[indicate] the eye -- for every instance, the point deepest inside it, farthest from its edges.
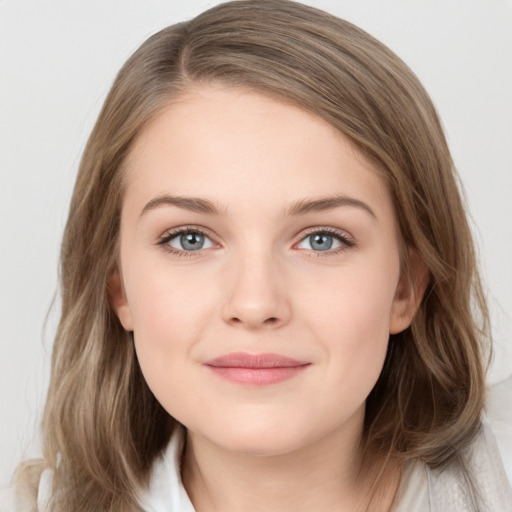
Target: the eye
(185, 240)
(188, 240)
(326, 240)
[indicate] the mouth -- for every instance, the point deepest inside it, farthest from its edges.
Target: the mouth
(256, 369)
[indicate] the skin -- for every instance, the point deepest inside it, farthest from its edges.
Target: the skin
(260, 285)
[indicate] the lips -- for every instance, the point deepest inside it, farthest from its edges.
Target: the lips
(256, 369)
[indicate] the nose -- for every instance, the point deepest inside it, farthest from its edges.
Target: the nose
(256, 294)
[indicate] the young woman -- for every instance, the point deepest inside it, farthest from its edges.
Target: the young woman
(270, 298)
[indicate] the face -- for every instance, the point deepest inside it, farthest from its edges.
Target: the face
(259, 271)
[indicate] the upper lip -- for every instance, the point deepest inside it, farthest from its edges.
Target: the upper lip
(245, 360)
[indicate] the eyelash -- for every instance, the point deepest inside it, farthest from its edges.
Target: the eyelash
(341, 236)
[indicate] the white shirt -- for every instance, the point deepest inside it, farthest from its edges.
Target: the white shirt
(422, 489)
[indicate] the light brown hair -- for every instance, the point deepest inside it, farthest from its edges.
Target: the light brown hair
(102, 426)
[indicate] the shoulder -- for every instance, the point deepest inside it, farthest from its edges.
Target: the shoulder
(14, 500)
(499, 413)
(413, 494)
(165, 491)
(481, 477)
(479, 480)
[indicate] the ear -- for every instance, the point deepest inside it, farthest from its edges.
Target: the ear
(119, 301)
(409, 293)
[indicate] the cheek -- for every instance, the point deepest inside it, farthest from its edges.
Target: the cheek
(355, 305)
(170, 316)
(351, 321)
(166, 302)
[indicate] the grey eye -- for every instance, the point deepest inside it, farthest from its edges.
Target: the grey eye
(320, 241)
(190, 241)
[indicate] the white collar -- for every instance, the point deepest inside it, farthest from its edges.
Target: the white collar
(447, 488)
(166, 491)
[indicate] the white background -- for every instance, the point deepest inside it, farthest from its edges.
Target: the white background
(57, 61)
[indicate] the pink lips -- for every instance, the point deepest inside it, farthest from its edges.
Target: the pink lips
(256, 370)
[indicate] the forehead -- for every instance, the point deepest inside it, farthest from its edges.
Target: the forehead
(238, 146)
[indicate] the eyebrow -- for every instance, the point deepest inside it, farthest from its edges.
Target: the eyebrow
(299, 207)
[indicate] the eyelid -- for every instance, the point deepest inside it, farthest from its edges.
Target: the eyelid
(347, 241)
(342, 236)
(327, 229)
(170, 233)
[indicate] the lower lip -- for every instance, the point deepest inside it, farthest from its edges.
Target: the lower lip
(258, 376)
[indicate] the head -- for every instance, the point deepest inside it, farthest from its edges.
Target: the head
(290, 58)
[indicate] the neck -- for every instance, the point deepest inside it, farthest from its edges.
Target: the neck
(327, 474)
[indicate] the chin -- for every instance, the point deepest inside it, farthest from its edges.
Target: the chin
(262, 445)
(259, 438)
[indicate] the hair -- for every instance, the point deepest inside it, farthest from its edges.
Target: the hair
(102, 427)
